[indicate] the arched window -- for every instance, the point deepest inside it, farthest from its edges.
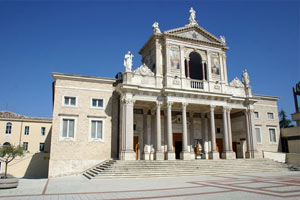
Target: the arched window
(6, 144)
(8, 128)
(196, 70)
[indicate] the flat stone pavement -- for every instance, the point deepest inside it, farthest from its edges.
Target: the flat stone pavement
(281, 185)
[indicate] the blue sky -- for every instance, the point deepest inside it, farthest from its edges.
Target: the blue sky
(91, 38)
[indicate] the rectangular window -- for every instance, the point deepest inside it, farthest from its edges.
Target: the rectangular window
(70, 101)
(26, 130)
(43, 131)
(272, 135)
(270, 115)
(96, 129)
(25, 146)
(256, 115)
(42, 147)
(97, 103)
(218, 130)
(258, 135)
(8, 128)
(68, 128)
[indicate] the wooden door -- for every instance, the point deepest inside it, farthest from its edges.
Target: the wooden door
(234, 148)
(136, 146)
(219, 146)
(177, 144)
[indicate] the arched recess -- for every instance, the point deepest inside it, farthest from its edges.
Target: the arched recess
(197, 71)
(6, 144)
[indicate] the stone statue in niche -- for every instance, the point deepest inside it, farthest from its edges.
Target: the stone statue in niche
(245, 78)
(128, 61)
(192, 18)
(155, 28)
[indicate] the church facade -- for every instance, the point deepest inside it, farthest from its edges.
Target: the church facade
(179, 104)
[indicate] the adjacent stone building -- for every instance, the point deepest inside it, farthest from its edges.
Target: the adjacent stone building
(179, 104)
(34, 135)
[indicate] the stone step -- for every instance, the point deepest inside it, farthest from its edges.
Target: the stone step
(142, 168)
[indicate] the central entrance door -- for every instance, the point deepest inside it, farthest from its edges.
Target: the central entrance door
(219, 145)
(136, 146)
(177, 144)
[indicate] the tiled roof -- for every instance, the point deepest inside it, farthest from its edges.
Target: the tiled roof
(12, 115)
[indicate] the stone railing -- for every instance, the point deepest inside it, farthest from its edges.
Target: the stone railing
(196, 84)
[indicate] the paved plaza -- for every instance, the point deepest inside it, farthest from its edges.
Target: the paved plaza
(230, 186)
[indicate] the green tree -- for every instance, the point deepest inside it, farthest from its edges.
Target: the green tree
(8, 153)
(284, 121)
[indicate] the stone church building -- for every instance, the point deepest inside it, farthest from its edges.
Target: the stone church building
(179, 104)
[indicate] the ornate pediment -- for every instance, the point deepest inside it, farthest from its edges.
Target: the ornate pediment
(236, 83)
(194, 32)
(144, 70)
(194, 35)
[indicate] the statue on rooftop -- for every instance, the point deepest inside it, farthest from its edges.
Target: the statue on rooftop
(128, 62)
(192, 18)
(223, 40)
(155, 28)
(245, 78)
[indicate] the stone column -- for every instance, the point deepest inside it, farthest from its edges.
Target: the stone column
(170, 155)
(127, 152)
(182, 69)
(227, 153)
(146, 153)
(203, 70)
(185, 155)
(158, 153)
(188, 67)
(152, 135)
(213, 154)
(254, 152)
(248, 136)
(225, 131)
(205, 139)
(229, 130)
(192, 135)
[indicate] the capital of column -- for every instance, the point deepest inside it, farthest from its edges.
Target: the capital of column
(184, 104)
(226, 108)
(127, 100)
(203, 61)
(192, 114)
(169, 103)
(187, 59)
(212, 107)
(158, 104)
(145, 111)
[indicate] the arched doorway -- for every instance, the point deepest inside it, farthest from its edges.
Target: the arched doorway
(197, 71)
(6, 144)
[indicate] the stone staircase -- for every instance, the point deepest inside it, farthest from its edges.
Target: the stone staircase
(167, 168)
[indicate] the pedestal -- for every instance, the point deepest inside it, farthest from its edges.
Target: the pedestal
(170, 156)
(228, 155)
(159, 156)
(214, 155)
(146, 156)
(128, 155)
(185, 156)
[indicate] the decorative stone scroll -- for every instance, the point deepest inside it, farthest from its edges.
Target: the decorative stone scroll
(144, 70)
(236, 83)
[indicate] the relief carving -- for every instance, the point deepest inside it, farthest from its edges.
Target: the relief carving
(144, 71)
(236, 83)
